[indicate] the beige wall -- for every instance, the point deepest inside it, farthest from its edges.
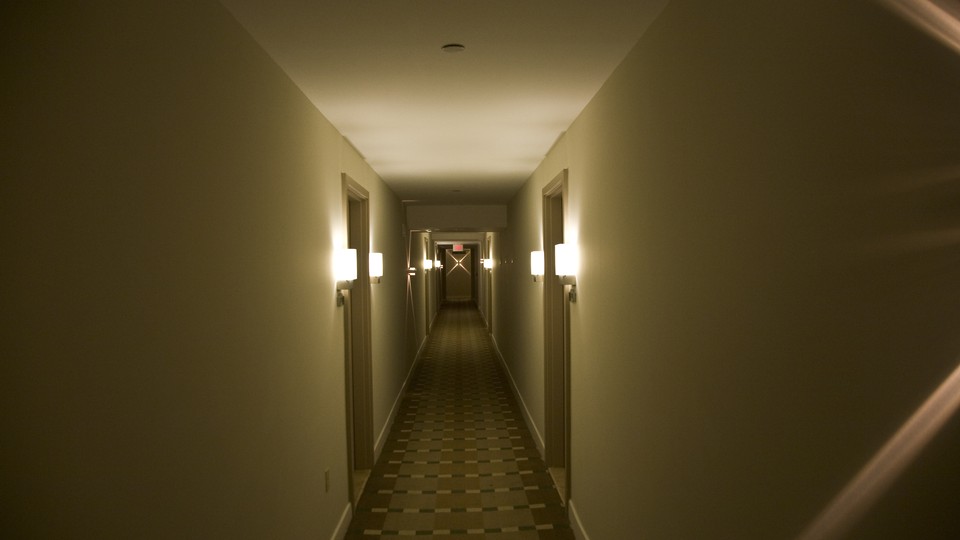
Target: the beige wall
(457, 217)
(486, 286)
(764, 199)
(421, 289)
(172, 352)
(518, 299)
(390, 360)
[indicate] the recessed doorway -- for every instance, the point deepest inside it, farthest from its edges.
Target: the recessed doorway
(357, 346)
(556, 312)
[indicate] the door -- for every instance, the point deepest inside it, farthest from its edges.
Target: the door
(556, 343)
(458, 274)
(358, 367)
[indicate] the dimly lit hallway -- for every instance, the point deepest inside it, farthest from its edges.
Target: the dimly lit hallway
(459, 460)
(764, 197)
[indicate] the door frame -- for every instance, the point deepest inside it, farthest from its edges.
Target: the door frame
(556, 324)
(487, 284)
(357, 336)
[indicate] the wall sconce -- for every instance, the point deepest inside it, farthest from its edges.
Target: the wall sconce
(488, 264)
(567, 263)
(428, 264)
(536, 265)
(376, 267)
(345, 271)
(412, 271)
(436, 264)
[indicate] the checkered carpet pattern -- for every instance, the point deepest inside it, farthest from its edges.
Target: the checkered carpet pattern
(459, 461)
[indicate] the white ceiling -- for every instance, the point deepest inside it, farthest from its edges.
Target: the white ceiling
(467, 127)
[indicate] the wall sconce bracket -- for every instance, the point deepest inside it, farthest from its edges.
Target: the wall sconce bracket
(344, 285)
(571, 282)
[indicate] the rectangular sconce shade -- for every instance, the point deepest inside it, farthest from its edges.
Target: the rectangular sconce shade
(436, 263)
(345, 266)
(376, 265)
(488, 263)
(427, 264)
(536, 263)
(567, 259)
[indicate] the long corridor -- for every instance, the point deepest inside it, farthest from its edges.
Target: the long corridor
(459, 461)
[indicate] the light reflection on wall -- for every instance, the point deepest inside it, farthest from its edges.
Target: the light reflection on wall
(938, 18)
(881, 471)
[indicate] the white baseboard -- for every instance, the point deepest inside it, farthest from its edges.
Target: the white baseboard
(345, 517)
(486, 324)
(527, 417)
(576, 524)
(385, 432)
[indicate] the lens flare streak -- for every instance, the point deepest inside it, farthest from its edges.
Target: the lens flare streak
(938, 18)
(881, 471)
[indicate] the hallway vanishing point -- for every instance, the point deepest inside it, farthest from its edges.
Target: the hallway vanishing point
(459, 461)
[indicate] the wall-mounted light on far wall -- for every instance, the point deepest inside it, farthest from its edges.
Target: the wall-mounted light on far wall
(436, 264)
(428, 264)
(536, 265)
(567, 264)
(345, 271)
(488, 264)
(376, 267)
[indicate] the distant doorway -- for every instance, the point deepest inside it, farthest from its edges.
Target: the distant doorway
(487, 285)
(556, 343)
(458, 274)
(358, 367)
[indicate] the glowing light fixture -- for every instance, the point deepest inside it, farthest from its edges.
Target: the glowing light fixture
(346, 265)
(567, 260)
(376, 267)
(427, 264)
(567, 263)
(536, 265)
(488, 263)
(345, 271)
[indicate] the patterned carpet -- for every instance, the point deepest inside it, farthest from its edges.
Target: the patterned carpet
(459, 461)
